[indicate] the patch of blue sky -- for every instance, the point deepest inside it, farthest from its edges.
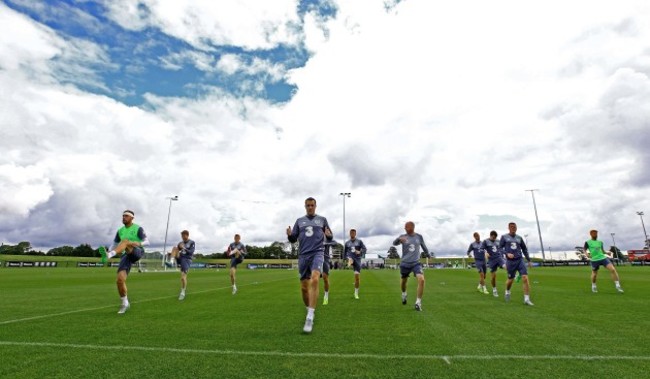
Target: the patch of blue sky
(138, 58)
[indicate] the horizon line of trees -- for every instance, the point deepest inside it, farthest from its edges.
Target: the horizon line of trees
(276, 250)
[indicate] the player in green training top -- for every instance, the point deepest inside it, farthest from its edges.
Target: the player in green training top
(594, 249)
(129, 243)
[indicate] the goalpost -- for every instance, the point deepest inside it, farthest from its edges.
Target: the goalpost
(151, 262)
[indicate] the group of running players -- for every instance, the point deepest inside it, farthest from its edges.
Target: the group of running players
(315, 240)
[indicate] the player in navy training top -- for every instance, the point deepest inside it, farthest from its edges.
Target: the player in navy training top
(410, 262)
(514, 248)
(237, 252)
(185, 253)
(310, 231)
(354, 251)
(327, 264)
(495, 259)
(476, 249)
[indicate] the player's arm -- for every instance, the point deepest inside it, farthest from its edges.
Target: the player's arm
(116, 241)
(587, 252)
(524, 250)
(502, 247)
(363, 248)
(189, 250)
(292, 234)
(469, 250)
(424, 247)
(485, 249)
(397, 241)
(144, 241)
(243, 250)
(328, 232)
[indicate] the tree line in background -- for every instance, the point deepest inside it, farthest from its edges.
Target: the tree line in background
(276, 250)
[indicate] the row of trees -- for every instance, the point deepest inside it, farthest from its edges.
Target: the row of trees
(25, 248)
(276, 250)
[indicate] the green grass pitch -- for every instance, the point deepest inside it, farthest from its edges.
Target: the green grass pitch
(62, 323)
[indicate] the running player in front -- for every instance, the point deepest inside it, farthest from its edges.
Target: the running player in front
(236, 252)
(410, 263)
(495, 259)
(129, 243)
(310, 231)
(354, 251)
(476, 249)
(514, 247)
(595, 251)
(184, 252)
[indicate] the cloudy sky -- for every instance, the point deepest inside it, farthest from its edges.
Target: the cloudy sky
(443, 113)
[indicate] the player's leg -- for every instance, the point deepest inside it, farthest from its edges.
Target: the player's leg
(311, 285)
(185, 267)
(594, 276)
(494, 266)
(233, 274)
(304, 290)
(511, 268)
(523, 272)
(418, 301)
(482, 271)
(357, 275)
(326, 282)
(122, 290)
(305, 274)
(314, 288)
(119, 249)
(404, 272)
(614, 274)
(315, 266)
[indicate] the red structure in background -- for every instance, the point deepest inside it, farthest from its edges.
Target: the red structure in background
(639, 255)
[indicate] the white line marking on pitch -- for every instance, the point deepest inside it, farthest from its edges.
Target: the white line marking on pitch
(134, 302)
(445, 358)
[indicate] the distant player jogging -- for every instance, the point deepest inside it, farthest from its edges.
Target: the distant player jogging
(354, 251)
(310, 231)
(515, 249)
(128, 243)
(495, 259)
(184, 252)
(410, 262)
(327, 265)
(237, 252)
(476, 249)
(595, 251)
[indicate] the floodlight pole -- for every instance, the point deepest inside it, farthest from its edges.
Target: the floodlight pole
(645, 240)
(344, 194)
(539, 230)
(169, 212)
